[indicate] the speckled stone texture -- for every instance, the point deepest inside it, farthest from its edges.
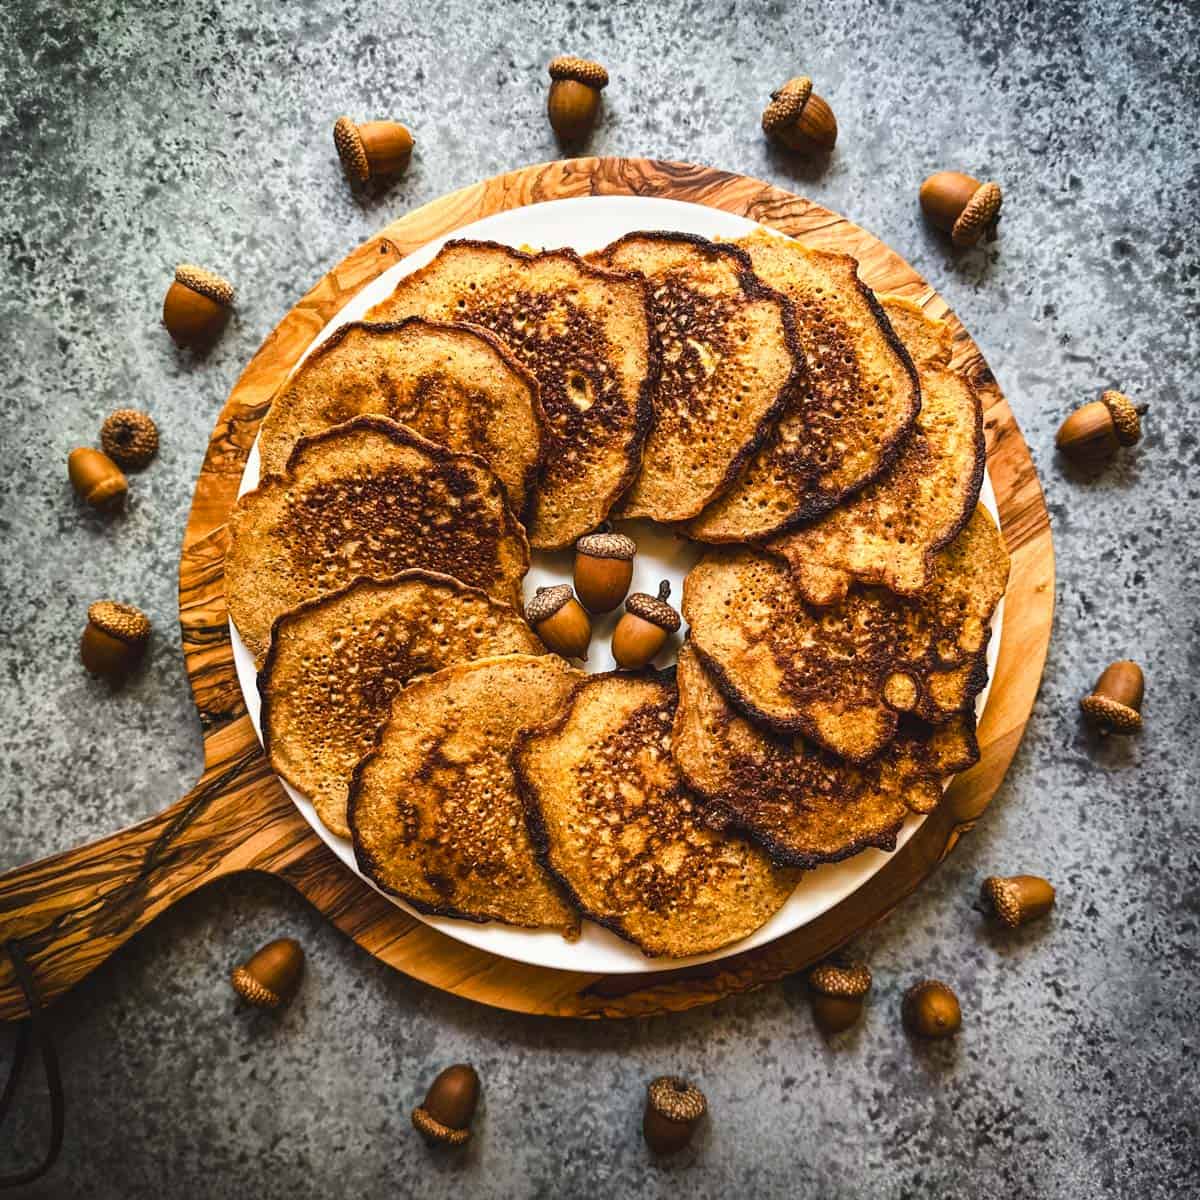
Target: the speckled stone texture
(133, 136)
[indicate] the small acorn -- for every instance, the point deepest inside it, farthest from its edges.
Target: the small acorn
(129, 437)
(97, 480)
(559, 620)
(836, 990)
(574, 100)
(799, 119)
(449, 1106)
(644, 628)
(930, 1010)
(1017, 899)
(271, 975)
(960, 206)
(673, 1110)
(196, 306)
(1115, 703)
(372, 150)
(114, 639)
(1094, 432)
(603, 569)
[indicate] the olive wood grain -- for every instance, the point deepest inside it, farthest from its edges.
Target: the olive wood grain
(73, 910)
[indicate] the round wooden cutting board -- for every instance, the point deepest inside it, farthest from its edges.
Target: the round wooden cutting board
(70, 912)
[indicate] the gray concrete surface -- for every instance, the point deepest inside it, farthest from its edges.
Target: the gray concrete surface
(135, 135)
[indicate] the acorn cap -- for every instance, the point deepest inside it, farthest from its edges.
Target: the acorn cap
(676, 1099)
(1127, 422)
(351, 150)
(122, 621)
(547, 602)
(1112, 713)
(582, 70)
(207, 283)
(432, 1128)
(654, 609)
(982, 210)
(849, 979)
(606, 545)
(129, 437)
(787, 104)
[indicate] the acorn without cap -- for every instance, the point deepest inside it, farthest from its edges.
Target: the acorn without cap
(799, 119)
(114, 639)
(1094, 432)
(1017, 899)
(673, 1110)
(603, 569)
(836, 990)
(271, 975)
(559, 620)
(574, 100)
(960, 206)
(97, 480)
(449, 1106)
(644, 628)
(931, 1010)
(1115, 703)
(196, 306)
(372, 150)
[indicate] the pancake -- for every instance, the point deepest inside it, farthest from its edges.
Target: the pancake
(434, 809)
(729, 363)
(454, 385)
(584, 334)
(891, 531)
(612, 820)
(367, 498)
(335, 664)
(841, 676)
(861, 402)
(802, 805)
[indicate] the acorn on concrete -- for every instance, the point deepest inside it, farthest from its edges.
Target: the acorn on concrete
(197, 305)
(574, 101)
(836, 991)
(97, 480)
(644, 627)
(931, 1010)
(603, 569)
(449, 1106)
(960, 205)
(1094, 432)
(1115, 703)
(1016, 900)
(799, 119)
(129, 437)
(559, 620)
(372, 150)
(270, 977)
(674, 1108)
(114, 639)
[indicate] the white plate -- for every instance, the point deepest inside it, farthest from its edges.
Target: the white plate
(586, 224)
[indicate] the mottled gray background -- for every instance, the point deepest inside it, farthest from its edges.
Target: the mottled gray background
(133, 136)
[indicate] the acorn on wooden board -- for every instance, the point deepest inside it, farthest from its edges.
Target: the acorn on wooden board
(449, 1106)
(97, 480)
(960, 206)
(799, 119)
(196, 306)
(931, 1010)
(1016, 900)
(673, 1110)
(372, 150)
(114, 639)
(574, 101)
(603, 569)
(1115, 703)
(129, 437)
(1094, 432)
(644, 627)
(836, 990)
(271, 975)
(559, 620)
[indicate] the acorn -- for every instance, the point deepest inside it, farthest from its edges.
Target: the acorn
(559, 620)
(372, 150)
(574, 100)
(114, 639)
(836, 990)
(97, 480)
(271, 975)
(129, 437)
(1017, 899)
(930, 1010)
(644, 628)
(673, 1110)
(799, 119)
(449, 1106)
(603, 569)
(1094, 432)
(196, 306)
(1115, 703)
(960, 206)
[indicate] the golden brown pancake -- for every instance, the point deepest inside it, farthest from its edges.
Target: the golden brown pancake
(729, 363)
(613, 821)
(434, 809)
(803, 805)
(584, 333)
(841, 676)
(336, 663)
(848, 426)
(367, 498)
(454, 385)
(890, 532)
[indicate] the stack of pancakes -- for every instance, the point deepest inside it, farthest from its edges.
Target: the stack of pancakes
(758, 399)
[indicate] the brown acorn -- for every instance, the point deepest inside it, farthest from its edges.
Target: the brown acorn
(574, 101)
(1017, 899)
(960, 206)
(1115, 703)
(97, 480)
(271, 975)
(196, 306)
(799, 119)
(603, 570)
(559, 620)
(449, 1106)
(129, 437)
(836, 990)
(114, 639)
(1094, 432)
(674, 1108)
(931, 1010)
(644, 628)
(372, 150)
